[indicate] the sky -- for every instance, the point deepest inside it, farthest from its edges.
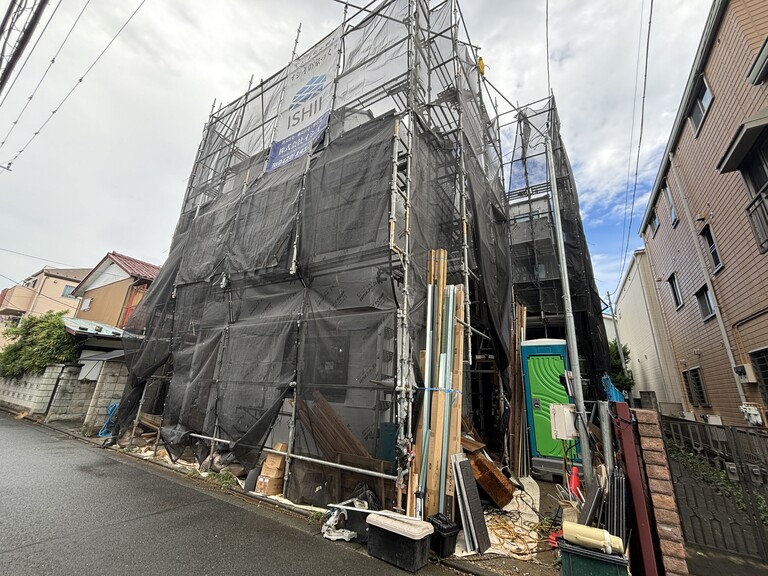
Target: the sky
(108, 171)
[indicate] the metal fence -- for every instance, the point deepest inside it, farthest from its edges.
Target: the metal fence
(720, 477)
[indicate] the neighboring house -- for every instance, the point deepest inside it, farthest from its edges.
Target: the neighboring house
(610, 331)
(80, 392)
(113, 289)
(49, 289)
(45, 290)
(706, 225)
(641, 329)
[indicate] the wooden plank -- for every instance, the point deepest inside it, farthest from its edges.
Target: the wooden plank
(440, 279)
(456, 399)
(491, 479)
(413, 486)
(432, 480)
(306, 421)
(435, 450)
(338, 427)
(471, 445)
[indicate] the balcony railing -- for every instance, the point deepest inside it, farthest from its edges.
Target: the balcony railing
(757, 211)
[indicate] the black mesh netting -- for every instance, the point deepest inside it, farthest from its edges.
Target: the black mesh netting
(277, 316)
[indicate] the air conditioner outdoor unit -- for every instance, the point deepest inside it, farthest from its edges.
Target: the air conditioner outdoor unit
(751, 413)
(746, 373)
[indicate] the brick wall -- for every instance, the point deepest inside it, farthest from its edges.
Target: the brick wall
(662, 493)
(72, 396)
(30, 393)
(109, 389)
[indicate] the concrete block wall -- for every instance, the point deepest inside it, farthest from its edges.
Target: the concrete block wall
(30, 393)
(72, 396)
(662, 491)
(109, 389)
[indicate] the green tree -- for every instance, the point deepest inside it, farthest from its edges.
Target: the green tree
(621, 382)
(36, 342)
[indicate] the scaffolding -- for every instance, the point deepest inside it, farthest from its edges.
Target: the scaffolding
(293, 304)
(536, 274)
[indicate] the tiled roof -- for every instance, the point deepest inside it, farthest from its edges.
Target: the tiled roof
(135, 267)
(76, 274)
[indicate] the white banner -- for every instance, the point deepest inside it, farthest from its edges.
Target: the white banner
(306, 103)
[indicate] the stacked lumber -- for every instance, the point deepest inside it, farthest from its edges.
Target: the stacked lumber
(329, 431)
(431, 487)
(517, 426)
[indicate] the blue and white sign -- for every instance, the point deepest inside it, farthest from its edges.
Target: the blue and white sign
(306, 104)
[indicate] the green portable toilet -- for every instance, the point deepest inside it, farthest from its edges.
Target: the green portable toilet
(544, 361)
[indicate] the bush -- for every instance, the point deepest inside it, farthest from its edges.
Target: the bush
(623, 383)
(36, 342)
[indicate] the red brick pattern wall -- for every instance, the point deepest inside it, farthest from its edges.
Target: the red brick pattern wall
(662, 493)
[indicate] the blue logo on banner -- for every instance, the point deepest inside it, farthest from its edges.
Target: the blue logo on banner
(307, 92)
(296, 145)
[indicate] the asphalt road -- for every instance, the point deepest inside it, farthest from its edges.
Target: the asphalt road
(69, 508)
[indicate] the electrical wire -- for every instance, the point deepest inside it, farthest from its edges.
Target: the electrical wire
(625, 232)
(50, 65)
(29, 54)
(38, 293)
(639, 144)
(78, 83)
(36, 257)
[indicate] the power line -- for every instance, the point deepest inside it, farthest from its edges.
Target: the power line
(38, 293)
(625, 231)
(78, 83)
(29, 54)
(639, 143)
(38, 258)
(104, 273)
(34, 92)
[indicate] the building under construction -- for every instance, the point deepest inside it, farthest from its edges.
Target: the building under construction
(536, 273)
(339, 278)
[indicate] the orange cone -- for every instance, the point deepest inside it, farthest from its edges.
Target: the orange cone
(574, 484)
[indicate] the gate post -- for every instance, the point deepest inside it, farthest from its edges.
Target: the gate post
(663, 499)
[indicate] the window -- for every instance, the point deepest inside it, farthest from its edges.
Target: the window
(694, 387)
(759, 360)
(705, 303)
(755, 167)
(755, 170)
(678, 299)
(86, 305)
(672, 212)
(700, 105)
(654, 222)
(759, 69)
(706, 234)
(68, 291)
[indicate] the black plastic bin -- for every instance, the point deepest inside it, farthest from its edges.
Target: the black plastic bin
(404, 543)
(443, 539)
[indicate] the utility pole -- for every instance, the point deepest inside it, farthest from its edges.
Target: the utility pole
(618, 340)
(570, 326)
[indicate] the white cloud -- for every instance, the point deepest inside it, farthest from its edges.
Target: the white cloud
(110, 170)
